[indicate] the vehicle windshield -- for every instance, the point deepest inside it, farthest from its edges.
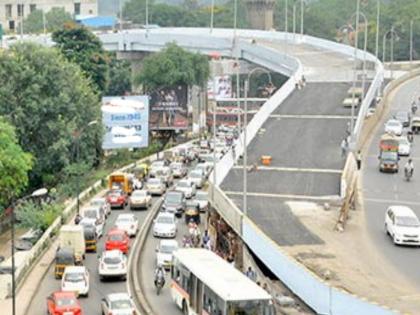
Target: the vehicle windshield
(168, 248)
(176, 165)
(158, 164)
(115, 193)
(195, 174)
(407, 221)
(389, 156)
(139, 194)
(65, 301)
(89, 214)
(183, 184)
(112, 260)
(115, 237)
(124, 220)
(393, 123)
(404, 141)
(120, 305)
(153, 181)
(97, 202)
(201, 197)
(173, 198)
(165, 220)
(73, 277)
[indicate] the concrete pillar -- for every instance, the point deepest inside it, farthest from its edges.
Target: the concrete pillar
(260, 13)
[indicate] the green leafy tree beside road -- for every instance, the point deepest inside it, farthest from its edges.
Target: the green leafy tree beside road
(54, 20)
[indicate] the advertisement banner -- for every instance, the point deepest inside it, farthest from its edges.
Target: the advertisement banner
(223, 85)
(126, 121)
(168, 108)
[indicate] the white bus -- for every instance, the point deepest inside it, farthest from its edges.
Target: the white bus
(202, 283)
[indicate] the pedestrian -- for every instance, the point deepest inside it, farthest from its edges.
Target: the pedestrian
(251, 274)
(233, 154)
(344, 145)
(359, 160)
(348, 129)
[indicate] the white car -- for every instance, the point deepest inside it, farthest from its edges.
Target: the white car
(205, 167)
(402, 224)
(178, 169)
(118, 304)
(140, 199)
(76, 279)
(101, 202)
(404, 146)
(99, 228)
(165, 174)
(187, 187)
(165, 225)
(394, 127)
(164, 253)
(155, 186)
(112, 264)
(128, 223)
(156, 165)
(197, 177)
(202, 199)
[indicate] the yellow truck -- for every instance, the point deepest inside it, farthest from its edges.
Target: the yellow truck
(121, 181)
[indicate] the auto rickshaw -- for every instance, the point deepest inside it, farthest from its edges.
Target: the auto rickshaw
(192, 212)
(141, 171)
(90, 238)
(63, 257)
(415, 125)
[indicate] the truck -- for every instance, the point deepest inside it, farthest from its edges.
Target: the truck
(121, 181)
(73, 237)
(388, 153)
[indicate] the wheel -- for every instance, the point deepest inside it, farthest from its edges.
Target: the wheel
(87, 295)
(124, 278)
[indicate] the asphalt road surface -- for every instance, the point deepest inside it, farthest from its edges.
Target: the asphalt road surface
(381, 190)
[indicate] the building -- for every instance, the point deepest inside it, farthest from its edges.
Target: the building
(260, 13)
(13, 11)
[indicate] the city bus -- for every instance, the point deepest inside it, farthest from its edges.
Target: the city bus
(202, 283)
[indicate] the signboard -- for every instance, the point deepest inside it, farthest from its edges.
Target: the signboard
(126, 121)
(223, 85)
(168, 108)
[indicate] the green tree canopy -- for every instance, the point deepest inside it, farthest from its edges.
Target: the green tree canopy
(173, 65)
(14, 165)
(81, 46)
(47, 99)
(54, 19)
(119, 77)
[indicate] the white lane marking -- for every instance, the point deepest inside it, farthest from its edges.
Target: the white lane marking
(281, 196)
(392, 201)
(292, 169)
(311, 116)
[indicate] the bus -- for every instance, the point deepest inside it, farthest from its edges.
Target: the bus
(202, 283)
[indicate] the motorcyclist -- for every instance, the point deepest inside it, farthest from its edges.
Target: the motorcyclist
(409, 168)
(159, 275)
(414, 107)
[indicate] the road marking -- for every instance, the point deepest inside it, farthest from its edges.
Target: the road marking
(280, 196)
(292, 169)
(392, 201)
(311, 116)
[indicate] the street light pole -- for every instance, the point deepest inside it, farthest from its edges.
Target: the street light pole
(364, 52)
(294, 21)
(354, 72)
(302, 6)
(392, 52)
(147, 15)
(211, 16)
(245, 155)
(120, 9)
(285, 17)
(411, 42)
(378, 14)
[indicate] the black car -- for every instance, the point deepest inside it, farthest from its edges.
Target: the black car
(174, 202)
(404, 118)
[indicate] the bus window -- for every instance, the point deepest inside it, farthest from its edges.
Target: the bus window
(247, 308)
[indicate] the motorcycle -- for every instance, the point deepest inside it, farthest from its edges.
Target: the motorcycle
(159, 283)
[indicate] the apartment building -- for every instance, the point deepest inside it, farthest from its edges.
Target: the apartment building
(13, 11)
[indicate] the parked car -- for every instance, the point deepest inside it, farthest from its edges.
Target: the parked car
(101, 202)
(403, 117)
(117, 198)
(117, 239)
(155, 186)
(76, 279)
(118, 304)
(164, 225)
(187, 187)
(140, 199)
(178, 169)
(402, 224)
(164, 253)
(128, 223)
(394, 126)
(174, 202)
(202, 199)
(404, 146)
(197, 177)
(63, 303)
(112, 264)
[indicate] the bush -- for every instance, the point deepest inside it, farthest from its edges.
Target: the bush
(34, 215)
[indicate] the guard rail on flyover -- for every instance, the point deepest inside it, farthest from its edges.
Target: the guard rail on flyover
(319, 295)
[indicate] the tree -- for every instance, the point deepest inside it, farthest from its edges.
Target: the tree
(36, 216)
(47, 99)
(173, 65)
(54, 19)
(14, 165)
(81, 46)
(119, 77)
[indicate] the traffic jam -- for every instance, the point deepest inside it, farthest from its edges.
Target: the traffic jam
(180, 178)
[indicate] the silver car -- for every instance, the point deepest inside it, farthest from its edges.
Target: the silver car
(156, 186)
(197, 177)
(118, 304)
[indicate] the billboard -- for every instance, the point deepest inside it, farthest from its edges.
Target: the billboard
(223, 86)
(168, 108)
(126, 121)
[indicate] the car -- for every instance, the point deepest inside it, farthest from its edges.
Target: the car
(140, 199)
(128, 223)
(117, 239)
(404, 146)
(187, 187)
(164, 225)
(402, 224)
(403, 117)
(394, 126)
(174, 202)
(101, 202)
(118, 304)
(157, 165)
(164, 253)
(112, 264)
(165, 174)
(63, 303)
(205, 167)
(178, 169)
(94, 212)
(99, 228)
(197, 177)
(202, 199)
(76, 279)
(388, 161)
(117, 198)
(155, 186)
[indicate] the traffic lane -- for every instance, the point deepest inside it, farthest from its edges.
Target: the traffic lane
(382, 190)
(163, 303)
(98, 289)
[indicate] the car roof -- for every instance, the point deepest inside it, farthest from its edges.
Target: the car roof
(166, 214)
(112, 253)
(168, 242)
(118, 296)
(402, 211)
(75, 269)
(60, 294)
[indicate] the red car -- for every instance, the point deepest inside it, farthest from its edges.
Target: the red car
(117, 239)
(60, 303)
(117, 198)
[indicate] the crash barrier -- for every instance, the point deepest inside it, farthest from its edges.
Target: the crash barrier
(25, 265)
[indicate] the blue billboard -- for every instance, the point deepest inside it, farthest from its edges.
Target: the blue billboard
(126, 121)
